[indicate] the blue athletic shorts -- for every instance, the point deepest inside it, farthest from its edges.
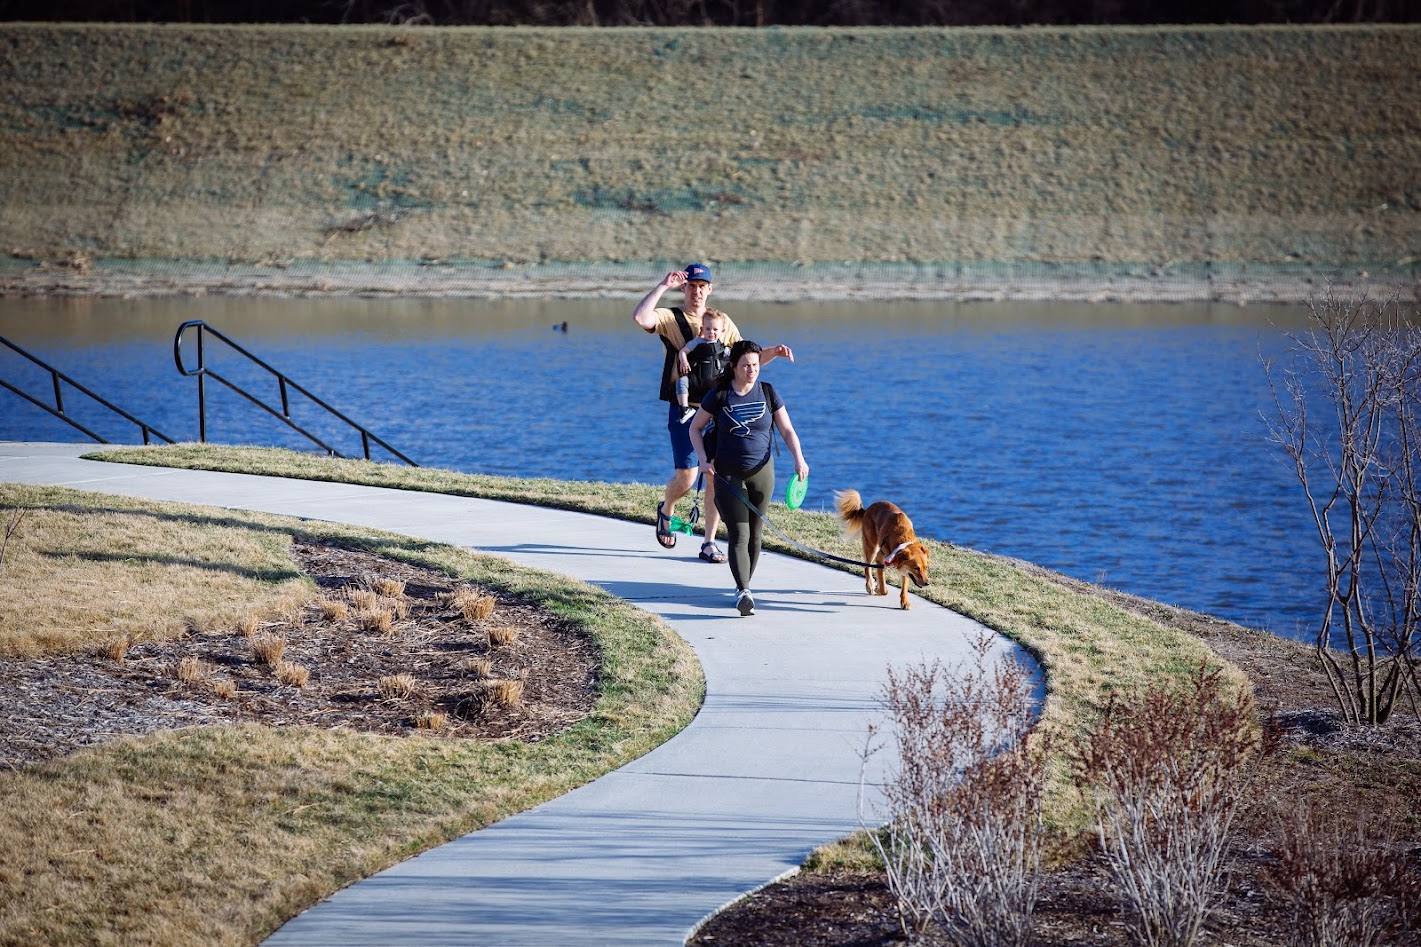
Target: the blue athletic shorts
(683, 455)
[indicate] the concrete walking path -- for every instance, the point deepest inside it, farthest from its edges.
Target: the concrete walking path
(767, 771)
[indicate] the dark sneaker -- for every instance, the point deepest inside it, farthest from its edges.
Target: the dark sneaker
(687, 414)
(745, 602)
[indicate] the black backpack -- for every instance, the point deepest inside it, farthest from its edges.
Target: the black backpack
(707, 362)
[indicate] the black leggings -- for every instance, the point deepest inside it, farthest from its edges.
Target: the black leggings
(742, 524)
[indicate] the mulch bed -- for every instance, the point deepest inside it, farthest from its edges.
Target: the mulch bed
(1369, 770)
(57, 704)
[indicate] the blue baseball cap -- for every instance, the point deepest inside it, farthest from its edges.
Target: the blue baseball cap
(698, 271)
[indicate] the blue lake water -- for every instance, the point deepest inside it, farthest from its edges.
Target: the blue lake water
(1124, 445)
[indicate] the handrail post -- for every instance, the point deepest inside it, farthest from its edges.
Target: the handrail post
(58, 392)
(201, 390)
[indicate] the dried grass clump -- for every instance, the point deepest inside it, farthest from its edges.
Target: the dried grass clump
(432, 720)
(378, 620)
(267, 648)
(471, 603)
(116, 647)
(389, 588)
(502, 636)
(399, 606)
(397, 686)
(191, 670)
(247, 625)
(292, 674)
(333, 609)
(481, 668)
(364, 600)
(224, 687)
(508, 693)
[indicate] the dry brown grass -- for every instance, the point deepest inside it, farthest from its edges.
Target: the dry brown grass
(134, 841)
(480, 668)
(502, 636)
(477, 608)
(389, 588)
(176, 574)
(191, 670)
(364, 600)
(292, 674)
(334, 609)
(431, 720)
(876, 145)
(378, 620)
(505, 692)
(115, 647)
(397, 686)
(267, 648)
(248, 625)
(224, 687)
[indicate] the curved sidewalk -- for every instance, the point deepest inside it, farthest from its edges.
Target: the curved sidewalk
(767, 771)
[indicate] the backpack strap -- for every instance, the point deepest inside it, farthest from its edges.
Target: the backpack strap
(668, 368)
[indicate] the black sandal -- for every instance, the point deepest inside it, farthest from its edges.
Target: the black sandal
(664, 535)
(715, 555)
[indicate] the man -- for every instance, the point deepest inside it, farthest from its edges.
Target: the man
(695, 283)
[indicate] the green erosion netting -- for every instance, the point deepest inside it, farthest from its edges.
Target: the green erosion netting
(1211, 153)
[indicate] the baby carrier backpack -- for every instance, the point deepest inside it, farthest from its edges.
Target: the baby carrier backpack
(707, 362)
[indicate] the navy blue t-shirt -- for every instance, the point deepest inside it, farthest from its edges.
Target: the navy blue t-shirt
(742, 425)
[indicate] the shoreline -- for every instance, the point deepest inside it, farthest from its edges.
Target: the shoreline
(1239, 284)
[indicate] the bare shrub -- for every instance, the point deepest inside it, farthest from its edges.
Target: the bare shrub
(1167, 772)
(334, 609)
(1349, 885)
(116, 647)
(292, 674)
(377, 620)
(506, 692)
(431, 720)
(267, 648)
(502, 636)
(397, 686)
(224, 687)
(12, 524)
(962, 842)
(1358, 462)
(191, 670)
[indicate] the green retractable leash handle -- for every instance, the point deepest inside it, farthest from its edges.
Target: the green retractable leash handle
(688, 524)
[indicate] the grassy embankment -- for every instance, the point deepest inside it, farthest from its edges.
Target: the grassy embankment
(217, 834)
(1173, 150)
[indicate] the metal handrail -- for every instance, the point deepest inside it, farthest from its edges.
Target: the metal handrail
(56, 377)
(202, 372)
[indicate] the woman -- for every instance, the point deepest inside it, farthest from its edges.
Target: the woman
(743, 408)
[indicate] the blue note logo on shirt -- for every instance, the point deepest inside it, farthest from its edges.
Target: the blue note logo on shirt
(743, 415)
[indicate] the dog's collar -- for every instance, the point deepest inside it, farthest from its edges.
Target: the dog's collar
(888, 559)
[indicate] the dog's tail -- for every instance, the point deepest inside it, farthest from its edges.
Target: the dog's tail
(850, 510)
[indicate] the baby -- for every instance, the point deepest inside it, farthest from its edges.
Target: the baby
(701, 361)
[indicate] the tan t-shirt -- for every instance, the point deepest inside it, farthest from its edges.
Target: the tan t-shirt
(667, 328)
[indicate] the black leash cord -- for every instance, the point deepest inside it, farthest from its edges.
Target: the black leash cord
(780, 533)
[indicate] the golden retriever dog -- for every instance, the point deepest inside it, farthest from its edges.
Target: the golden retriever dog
(888, 538)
